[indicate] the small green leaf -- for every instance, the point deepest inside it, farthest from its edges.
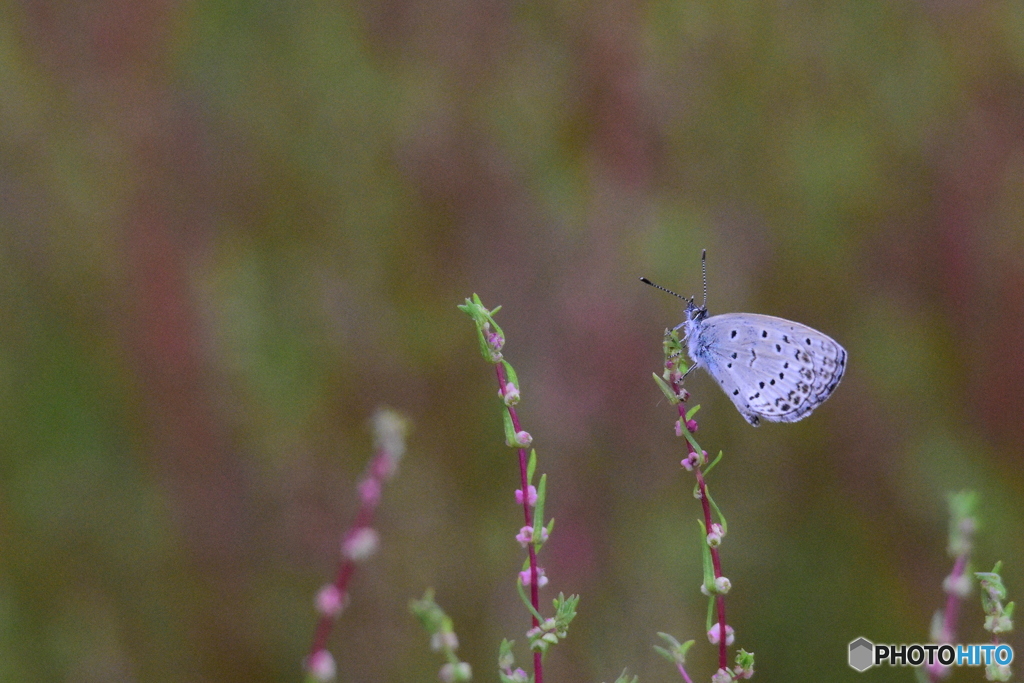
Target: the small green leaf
(565, 611)
(551, 528)
(510, 430)
(692, 411)
(624, 678)
(538, 510)
(482, 318)
(668, 639)
(718, 513)
(531, 466)
(706, 561)
(676, 653)
(713, 463)
(745, 660)
(526, 601)
(511, 374)
(665, 388)
(693, 441)
(506, 660)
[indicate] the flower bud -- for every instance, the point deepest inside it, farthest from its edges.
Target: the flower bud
(714, 634)
(321, 666)
(360, 544)
(330, 601)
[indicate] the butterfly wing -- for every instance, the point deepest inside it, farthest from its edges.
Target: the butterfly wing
(771, 369)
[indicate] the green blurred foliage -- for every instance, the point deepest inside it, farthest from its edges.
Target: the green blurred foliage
(230, 230)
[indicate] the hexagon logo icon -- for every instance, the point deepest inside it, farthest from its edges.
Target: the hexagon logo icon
(862, 654)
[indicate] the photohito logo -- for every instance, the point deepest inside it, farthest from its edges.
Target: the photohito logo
(864, 654)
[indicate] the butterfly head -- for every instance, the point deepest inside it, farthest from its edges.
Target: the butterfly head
(694, 312)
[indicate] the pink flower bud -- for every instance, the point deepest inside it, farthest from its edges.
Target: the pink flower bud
(511, 394)
(330, 601)
(523, 439)
(360, 544)
(531, 495)
(527, 535)
(691, 425)
(526, 579)
(495, 341)
(960, 586)
(321, 666)
(715, 634)
(453, 673)
(444, 640)
(722, 676)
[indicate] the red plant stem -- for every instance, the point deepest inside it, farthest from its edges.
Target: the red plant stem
(949, 615)
(952, 600)
(499, 368)
(346, 567)
(723, 656)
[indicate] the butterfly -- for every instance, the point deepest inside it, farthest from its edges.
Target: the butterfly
(770, 368)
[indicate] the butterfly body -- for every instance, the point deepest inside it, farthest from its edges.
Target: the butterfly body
(770, 368)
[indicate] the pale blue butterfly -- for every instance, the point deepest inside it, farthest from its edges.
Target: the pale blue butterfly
(770, 368)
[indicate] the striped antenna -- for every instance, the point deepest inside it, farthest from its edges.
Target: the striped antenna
(704, 276)
(669, 291)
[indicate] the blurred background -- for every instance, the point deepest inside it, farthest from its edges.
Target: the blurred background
(229, 231)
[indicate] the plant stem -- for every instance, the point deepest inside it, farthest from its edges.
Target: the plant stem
(723, 655)
(389, 430)
(527, 516)
(716, 561)
(346, 567)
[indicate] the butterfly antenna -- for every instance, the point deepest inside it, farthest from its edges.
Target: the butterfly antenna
(648, 282)
(704, 276)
